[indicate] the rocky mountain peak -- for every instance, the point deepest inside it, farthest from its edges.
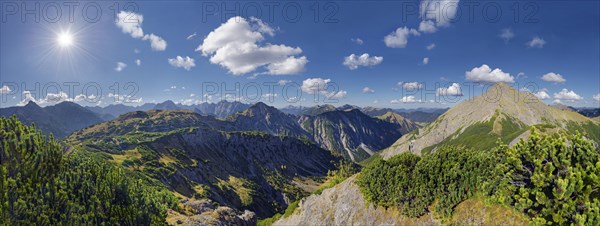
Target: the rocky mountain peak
(499, 104)
(31, 105)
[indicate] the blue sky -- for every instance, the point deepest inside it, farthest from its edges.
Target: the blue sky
(554, 50)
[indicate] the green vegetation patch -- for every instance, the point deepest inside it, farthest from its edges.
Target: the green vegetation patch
(550, 179)
(40, 185)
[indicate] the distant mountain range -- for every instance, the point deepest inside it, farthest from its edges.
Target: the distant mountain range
(219, 109)
(60, 119)
(419, 115)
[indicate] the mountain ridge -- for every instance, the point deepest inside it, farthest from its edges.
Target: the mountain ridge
(499, 105)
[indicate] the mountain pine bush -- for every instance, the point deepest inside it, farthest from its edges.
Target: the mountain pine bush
(41, 185)
(554, 179)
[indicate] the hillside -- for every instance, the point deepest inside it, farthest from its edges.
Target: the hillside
(204, 158)
(344, 204)
(351, 133)
(501, 112)
(41, 185)
(405, 124)
(261, 117)
(545, 179)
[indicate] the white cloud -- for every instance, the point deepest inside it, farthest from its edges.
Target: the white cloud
(521, 75)
(542, 95)
(452, 90)
(425, 60)
(124, 98)
(270, 95)
(409, 99)
(357, 41)
(440, 11)
(567, 95)
(138, 62)
(5, 90)
(368, 90)
(427, 26)
(289, 66)
(120, 66)
(186, 63)
(536, 42)
(506, 34)
(235, 45)
(337, 95)
(411, 86)
(157, 43)
(191, 36)
(81, 97)
(314, 85)
(131, 23)
(319, 86)
(597, 97)
(399, 38)
(283, 82)
(405, 99)
(353, 61)
(52, 98)
(190, 101)
(553, 77)
(430, 46)
(486, 74)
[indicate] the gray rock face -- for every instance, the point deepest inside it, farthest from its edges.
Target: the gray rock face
(348, 133)
(204, 213)
(351, 133)
(345, 205)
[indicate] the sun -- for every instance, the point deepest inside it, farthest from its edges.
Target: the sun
(64, 39)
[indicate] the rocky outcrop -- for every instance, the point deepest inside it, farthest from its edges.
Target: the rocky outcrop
(344, 205)
(203, 212)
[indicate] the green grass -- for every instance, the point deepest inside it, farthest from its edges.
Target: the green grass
(269, 221)
(481, 136)
(369, 160)
(588, 129)
(290, 209)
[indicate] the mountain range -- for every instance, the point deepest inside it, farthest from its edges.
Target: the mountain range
(257, 159)
(60, 119)
(193, 156)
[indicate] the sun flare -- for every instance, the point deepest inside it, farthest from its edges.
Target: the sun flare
(64, 39)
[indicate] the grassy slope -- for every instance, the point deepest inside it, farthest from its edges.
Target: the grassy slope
(484, 135)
